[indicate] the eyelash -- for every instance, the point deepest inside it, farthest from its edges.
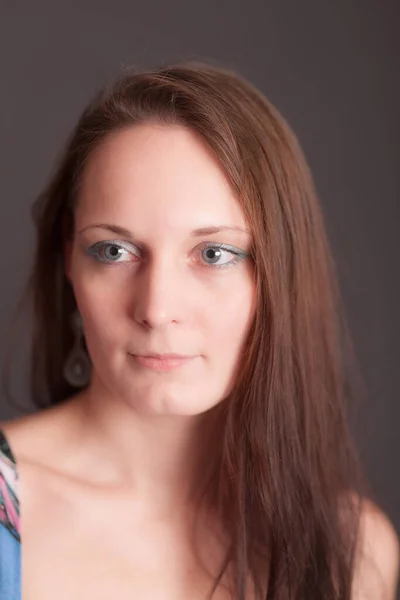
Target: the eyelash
(95, 249)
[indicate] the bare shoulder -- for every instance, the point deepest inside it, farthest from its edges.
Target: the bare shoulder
(378, 556)
(37, 435)
(21, 433)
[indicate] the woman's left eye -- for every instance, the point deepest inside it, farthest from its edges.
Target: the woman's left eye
(214, 252)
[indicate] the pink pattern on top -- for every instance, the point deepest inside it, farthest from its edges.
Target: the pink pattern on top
(9, 501)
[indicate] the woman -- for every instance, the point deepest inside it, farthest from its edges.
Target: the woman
(188, 363)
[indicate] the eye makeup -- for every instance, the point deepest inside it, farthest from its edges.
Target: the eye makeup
(110, 251)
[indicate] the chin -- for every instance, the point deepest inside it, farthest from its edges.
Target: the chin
(170, 405)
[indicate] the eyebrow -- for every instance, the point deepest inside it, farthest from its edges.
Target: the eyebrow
(201, 231)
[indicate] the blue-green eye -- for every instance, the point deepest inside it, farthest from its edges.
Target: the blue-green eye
(213, 252)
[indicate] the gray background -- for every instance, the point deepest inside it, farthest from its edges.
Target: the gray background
(331, 67)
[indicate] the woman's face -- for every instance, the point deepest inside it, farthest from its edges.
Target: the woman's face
(149, 277)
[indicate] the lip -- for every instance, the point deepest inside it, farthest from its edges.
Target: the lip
(163, 356)
(162, 362)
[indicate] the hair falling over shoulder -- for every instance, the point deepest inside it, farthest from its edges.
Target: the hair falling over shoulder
(287, 484)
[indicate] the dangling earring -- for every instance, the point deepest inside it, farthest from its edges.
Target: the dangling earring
(77, 369)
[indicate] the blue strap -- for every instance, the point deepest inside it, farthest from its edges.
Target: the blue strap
(10, 565)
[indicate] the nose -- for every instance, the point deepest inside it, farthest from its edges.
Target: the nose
(159, 296)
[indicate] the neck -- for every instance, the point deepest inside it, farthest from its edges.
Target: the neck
(163, 460)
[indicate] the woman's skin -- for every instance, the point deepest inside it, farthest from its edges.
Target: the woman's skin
(107, 478)
(162, 295)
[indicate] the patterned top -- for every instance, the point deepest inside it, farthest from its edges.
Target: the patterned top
(10, 539)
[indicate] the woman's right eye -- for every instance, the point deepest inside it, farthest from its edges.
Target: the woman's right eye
(111, 251)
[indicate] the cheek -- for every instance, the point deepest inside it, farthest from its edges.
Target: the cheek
(229, 322)
(227, 330)
(99, 309)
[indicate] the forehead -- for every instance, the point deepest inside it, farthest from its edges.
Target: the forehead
(158, 177)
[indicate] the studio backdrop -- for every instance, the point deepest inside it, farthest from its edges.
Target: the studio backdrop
(331, 68)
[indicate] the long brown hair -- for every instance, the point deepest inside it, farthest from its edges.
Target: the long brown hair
(289, 478)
